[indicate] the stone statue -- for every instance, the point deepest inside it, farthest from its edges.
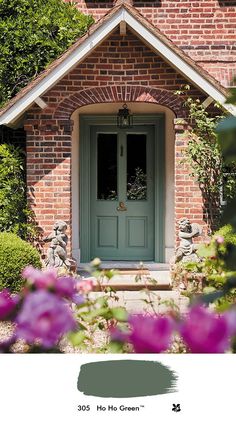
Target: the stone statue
(57, 256)
(186, 252)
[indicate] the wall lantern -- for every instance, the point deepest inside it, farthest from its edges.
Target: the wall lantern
(124, 118)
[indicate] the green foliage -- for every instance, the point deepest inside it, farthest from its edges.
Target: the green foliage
(96, 316)
(213, 274)
(32, 34)
(225, 254)
(215, 254)
(14, 212)
(227, 133)
(204, 156)
(15, 255)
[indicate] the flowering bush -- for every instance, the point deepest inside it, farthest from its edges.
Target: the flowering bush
(150, 334)
(41, 312)
(44, 318)
(50, 307)
(205, 331)
(7, 303)
(202, 331)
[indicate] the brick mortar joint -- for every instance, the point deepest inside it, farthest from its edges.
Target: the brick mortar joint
(181, 125)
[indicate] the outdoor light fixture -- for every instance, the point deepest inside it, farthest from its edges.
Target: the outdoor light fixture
(124, 118)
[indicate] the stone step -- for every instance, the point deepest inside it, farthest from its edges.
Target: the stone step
(126, 265)
(134, 281)
(136, 301)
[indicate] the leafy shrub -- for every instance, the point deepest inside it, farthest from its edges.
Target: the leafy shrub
(228, 233)
(32, 34)
(214, 271)
(15, 255)
(215, 254)
(14, 212)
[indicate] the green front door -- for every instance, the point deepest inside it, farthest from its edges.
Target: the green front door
(122, 193)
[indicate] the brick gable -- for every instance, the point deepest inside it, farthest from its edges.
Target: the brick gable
(204, 29)
(119, 60)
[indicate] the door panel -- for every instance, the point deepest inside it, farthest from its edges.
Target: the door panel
(136, 230)
(107, 231)
(122, 193)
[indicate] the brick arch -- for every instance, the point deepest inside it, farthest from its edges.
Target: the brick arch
(118, 93)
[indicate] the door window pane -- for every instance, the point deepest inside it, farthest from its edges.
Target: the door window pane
(107, 166)
(136, 167)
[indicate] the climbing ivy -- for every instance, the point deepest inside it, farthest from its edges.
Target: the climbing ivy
(205, 159)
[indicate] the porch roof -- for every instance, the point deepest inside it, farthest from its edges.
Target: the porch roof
(97, 33)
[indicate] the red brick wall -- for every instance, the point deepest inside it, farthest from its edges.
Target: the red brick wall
(204, 29)
(121, 69)
(188, 197)
(48, 169)
(118, 61)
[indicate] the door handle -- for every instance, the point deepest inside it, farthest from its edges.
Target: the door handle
(121, 207)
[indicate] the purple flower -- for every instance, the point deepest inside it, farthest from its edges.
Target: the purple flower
(230, 316)
(118, 335)
(65, 286)
(150, 334)
(78, 299)
(44, 317)
(39, 279)
(206, 332)
(7, 303)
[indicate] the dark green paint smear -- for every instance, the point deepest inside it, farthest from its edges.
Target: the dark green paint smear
(126, 379)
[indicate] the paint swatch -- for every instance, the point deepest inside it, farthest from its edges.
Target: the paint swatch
(126, 379)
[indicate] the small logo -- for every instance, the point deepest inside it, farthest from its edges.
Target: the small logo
(176, 407)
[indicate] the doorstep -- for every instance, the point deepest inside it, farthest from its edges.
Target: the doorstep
(131, 277)
(122, 265)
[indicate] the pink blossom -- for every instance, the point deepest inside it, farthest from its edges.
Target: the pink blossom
(39, 279)
(150, 334)
(85, 286)
(44, 318)
(205, 331)
(7, 303)
(219, 239)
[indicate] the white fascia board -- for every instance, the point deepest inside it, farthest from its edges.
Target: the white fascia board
(177, 62)
(63, 68)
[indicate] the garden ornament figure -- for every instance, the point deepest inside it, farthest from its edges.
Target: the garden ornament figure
(57, 256)
(186, 252)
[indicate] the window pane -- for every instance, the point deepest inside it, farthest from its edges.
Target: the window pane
(107, 166)
(136, 167)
